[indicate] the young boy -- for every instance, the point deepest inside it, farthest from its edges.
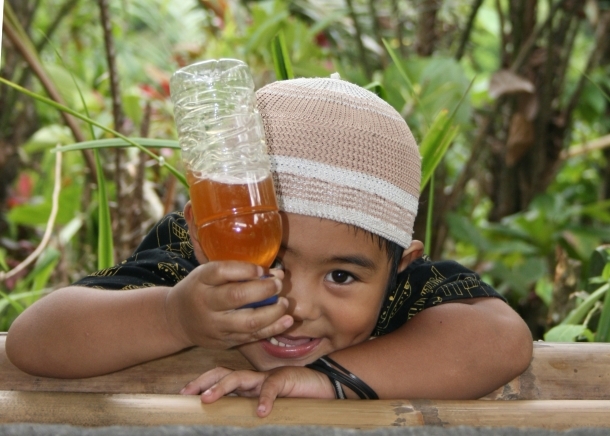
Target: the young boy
(347, 173)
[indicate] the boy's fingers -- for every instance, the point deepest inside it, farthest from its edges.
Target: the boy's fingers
(205, 381)
(234, 295)
(244, 383)
(258, 323)
(271, 388)
(219, 273)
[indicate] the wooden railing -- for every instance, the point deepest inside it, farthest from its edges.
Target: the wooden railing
(566, 386)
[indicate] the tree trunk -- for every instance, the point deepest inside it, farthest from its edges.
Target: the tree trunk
(427, 31)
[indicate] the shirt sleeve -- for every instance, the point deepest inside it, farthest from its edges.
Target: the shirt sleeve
(425, 284)
(164, 257)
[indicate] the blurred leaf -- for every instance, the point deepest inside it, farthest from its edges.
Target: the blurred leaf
(603, 326)
(48, 137)
(507, 82)
(44, 267)
(544, 290)
(64, 81)
(463, 229)
(3, 263)
(70, 229)
(264, 32)
(11, 301)
(37, 214)
(578, 314)
(132, 108)
(565, 333)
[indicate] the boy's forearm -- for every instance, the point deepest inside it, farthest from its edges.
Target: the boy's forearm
(452, 351)
(81, 332)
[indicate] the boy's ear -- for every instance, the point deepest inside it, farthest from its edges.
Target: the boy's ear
(192, 228)
(415, 251)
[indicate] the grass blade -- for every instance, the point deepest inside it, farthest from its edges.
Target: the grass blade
(428, 240)
(118, 142)
(105, 248)
(18, 307)
(281, 58)
(378, 89)
(435, 144)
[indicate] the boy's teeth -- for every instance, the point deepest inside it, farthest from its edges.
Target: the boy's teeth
(278, 343)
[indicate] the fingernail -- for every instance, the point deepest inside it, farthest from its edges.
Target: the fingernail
(207, 392)
(261, 409)
(259, 271)
(278, 284)
(287, 322)
(182, 390)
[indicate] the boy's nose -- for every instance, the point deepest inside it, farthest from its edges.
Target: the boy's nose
(301, 298)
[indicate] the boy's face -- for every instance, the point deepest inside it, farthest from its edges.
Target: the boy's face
(335, 280)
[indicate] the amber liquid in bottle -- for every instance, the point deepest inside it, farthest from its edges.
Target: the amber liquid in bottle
(236, 220)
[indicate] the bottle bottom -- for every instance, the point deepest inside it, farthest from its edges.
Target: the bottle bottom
(252, 237)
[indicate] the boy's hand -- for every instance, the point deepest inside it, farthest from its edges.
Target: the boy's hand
(204, 308)
(286, 381)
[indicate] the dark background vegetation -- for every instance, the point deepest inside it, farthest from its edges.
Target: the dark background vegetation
(522, 195)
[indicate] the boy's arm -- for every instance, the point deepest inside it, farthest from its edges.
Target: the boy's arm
(457, 350)
(82, 332)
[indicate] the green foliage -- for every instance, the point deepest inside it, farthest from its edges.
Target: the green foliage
(279, 40)
(589, 320)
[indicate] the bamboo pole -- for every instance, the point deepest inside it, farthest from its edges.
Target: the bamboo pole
(94, 410)
(559, 371)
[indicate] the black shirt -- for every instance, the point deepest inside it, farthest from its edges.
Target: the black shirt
(166, 256)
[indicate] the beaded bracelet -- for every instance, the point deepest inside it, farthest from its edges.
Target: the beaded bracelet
(338, 376)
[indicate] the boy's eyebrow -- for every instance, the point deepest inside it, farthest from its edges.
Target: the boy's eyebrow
(361, 261)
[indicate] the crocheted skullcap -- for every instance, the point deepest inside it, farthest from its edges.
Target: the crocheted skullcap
(340, 152)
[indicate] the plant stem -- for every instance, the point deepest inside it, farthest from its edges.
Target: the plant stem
(361, 49)
(469, 24)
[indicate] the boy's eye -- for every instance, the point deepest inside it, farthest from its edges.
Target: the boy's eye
(339, 276)
(277, 264)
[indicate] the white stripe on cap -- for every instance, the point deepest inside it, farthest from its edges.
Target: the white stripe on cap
(348, 216)
(343, 177)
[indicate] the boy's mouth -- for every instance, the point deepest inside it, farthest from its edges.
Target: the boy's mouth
(285, 347)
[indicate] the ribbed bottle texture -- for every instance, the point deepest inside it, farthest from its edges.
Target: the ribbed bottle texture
(224, 154)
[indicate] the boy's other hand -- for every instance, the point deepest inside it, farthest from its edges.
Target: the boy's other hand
(204, 308)
(286, 381)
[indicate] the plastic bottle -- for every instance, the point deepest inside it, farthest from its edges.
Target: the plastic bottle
(224, 152)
